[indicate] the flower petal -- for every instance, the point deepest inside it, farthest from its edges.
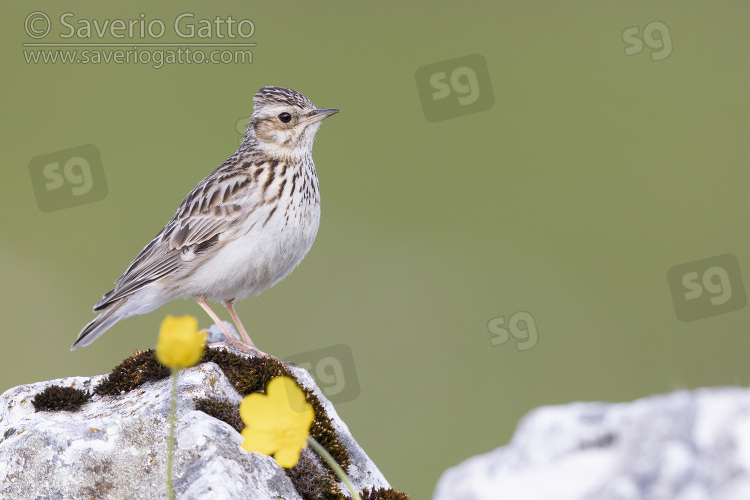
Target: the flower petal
(283, 391)
(278, 422)
(258, 441)
(258, 411)
(287, 457)
(180, 344)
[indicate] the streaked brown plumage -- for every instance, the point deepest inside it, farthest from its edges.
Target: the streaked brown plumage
(241, 230)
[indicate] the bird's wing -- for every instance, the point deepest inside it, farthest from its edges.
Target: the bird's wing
(211, 208)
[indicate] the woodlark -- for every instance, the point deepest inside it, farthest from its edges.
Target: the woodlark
(242, 229)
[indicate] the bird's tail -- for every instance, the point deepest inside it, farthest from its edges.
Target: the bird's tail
(113, 313)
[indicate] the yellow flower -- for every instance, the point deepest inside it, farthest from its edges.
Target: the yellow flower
(180, 344)
(277, 422)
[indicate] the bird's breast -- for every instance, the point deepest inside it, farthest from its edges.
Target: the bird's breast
(259, 253)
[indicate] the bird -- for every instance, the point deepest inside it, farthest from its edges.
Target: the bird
(241, 230)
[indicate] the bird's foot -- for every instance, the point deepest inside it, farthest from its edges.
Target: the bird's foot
(242, 347)
(249, 349)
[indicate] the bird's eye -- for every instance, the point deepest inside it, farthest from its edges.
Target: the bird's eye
(285, 117)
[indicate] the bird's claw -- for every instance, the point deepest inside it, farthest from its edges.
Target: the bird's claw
(242, 347)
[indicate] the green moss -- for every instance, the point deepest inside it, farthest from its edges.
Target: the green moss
(312, 477)
(247, 375)
(56, 398)
(221, 409)
(383, 494)
(311, 480)
(250, 375)
(135, 371)
(323, 432)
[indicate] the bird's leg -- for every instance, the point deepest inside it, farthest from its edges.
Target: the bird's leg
(229, 304)
(202, 302)
(231, 339)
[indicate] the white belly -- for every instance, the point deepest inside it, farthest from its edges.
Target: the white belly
(249, 263)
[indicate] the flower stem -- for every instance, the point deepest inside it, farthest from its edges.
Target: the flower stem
(336, 467)
(170, 445)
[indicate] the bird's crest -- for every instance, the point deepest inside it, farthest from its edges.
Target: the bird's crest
(269, 96)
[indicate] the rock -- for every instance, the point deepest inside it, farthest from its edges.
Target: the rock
(688, 445)
(214, 333)
(116, 446)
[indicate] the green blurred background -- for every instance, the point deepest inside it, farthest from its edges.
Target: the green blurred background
(591, 174)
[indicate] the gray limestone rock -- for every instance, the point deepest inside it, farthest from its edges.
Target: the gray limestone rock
(687, 445)
(116, 447)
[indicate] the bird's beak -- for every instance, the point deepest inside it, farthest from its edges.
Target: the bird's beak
(317, 115)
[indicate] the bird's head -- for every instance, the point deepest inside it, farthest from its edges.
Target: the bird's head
(284, 122)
